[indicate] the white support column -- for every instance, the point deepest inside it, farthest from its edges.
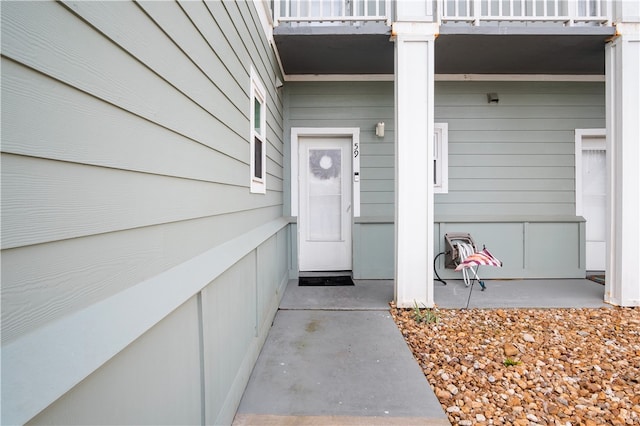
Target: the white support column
(623, 166)
(414, 85)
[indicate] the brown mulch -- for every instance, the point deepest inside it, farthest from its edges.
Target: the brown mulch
(572, 366)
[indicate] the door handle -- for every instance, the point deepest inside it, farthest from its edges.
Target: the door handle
(349, 208)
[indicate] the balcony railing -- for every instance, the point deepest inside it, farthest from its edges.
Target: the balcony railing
(331, 12)
(568, 12)
(474, 12)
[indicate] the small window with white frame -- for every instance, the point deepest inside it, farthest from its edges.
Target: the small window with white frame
(258, 142)
(441, 158)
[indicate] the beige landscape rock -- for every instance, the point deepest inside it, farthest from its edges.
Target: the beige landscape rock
(577, 366)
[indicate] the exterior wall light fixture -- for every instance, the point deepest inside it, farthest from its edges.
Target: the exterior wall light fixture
(380, 129)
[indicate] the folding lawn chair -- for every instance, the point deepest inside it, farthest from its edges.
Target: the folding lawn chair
(462, 255)
(476, 259)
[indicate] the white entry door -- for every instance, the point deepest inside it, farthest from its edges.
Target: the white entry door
(324, 215)
(594, 198)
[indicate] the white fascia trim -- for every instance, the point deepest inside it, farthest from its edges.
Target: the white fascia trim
(339, 77)
(450, 77)
(580, 134)
(266, 19)
(352, 132)
(276, 52)
(264, 13)
(519, 77)
(421, 30)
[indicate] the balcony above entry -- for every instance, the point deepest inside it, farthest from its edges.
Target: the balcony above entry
(475, 36)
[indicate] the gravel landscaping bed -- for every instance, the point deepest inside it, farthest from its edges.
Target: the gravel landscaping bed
(529, 366)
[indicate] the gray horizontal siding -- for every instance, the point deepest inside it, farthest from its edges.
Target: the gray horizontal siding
(140, 119)
(104, 136)
(51, 282)
(516, 157)
(510, 172)
(84, 200)
(125, 154)
(348, 104)
(513, 158)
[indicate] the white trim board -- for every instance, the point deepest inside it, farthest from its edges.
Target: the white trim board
(449, 77)
(264, 14)
(339, 77)
(441, 146)
(352, 132)
(41, 366)
(519, 77)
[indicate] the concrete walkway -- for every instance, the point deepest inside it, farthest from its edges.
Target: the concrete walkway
(334, 356)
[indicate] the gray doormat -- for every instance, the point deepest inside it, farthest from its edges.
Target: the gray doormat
(340, 280)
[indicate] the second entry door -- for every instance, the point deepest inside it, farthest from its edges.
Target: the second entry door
(594, 196)
(324, 214)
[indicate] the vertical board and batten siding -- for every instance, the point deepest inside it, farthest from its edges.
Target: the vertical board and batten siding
(166, 357)
(125, 154)
(510, 164)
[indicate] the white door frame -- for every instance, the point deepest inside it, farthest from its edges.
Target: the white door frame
(580, 136)
(344, 132)
(349, 132)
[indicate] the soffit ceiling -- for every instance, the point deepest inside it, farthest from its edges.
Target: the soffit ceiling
(491, 51)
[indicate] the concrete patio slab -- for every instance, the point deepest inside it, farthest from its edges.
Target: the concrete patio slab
(543, 293)
(335, 356)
